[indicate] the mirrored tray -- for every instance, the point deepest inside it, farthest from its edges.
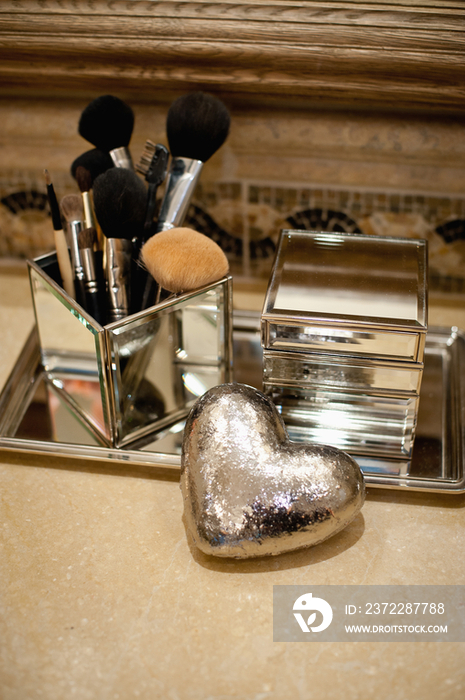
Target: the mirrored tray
(34, 419)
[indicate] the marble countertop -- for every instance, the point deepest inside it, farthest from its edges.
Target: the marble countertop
(101, 595)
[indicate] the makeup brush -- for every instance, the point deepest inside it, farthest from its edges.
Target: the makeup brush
(84, 182)
(197, 124)
(181, 259)
(84, 169)
(94, 303)
(64, 262)
(120, 198)
(95, 161)
(153, 165)
(107, 123)
(73, 211)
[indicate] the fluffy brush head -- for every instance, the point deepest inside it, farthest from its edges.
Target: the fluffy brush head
(83, 179)
(197, 125)
(182, 259)
(87, 238)
(120, 200)
(72, 208)
(95, 161)
(107, 123)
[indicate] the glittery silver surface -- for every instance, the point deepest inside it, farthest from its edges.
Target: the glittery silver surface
(248, 491)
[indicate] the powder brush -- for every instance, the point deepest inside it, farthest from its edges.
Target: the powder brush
(107, 122)
(120, 198)
(197, 124)
(181, 260)
(84, 169)
(61, 246)
(95, 161)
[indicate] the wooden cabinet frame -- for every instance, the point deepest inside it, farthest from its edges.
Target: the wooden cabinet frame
(387, 55)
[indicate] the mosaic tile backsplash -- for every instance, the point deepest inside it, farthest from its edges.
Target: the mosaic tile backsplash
(245, 218)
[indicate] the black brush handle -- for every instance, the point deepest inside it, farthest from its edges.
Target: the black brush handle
(142, 291)
(144, 287)
(80, 289)
(95, 306)
(151, 207)
(93, 285)
(150, 292)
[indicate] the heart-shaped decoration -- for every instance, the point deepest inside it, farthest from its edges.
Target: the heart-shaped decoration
(248, 491)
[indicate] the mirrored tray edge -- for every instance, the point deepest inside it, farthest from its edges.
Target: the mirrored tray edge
(169, 463)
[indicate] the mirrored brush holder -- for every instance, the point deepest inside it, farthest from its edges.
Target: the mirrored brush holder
(129, 379)
(343, 332)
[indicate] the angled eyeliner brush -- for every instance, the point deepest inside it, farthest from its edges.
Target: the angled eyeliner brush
(64, 262)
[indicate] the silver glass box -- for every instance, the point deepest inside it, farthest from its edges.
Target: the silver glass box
(130, 378)
(343, 330)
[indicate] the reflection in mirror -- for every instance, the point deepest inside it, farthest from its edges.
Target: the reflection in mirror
(71, 351)
(364, 277)
(47, 418)
(163, 364)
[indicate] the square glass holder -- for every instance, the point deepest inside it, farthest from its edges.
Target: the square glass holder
(343, 330)
(128, 379)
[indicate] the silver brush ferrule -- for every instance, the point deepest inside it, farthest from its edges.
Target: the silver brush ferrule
(74, 229)
(118, 254)
(88, 213)
(182, 179)
(121, 157)
(89, 269)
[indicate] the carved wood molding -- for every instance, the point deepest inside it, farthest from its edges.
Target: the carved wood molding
(366, 53)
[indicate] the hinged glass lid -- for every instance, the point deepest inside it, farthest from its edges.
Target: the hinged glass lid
(350, 279)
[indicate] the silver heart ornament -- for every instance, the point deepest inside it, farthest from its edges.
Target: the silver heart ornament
(248, 490)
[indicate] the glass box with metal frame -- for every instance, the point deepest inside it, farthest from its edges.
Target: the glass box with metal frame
(127, 379)
(343, 330)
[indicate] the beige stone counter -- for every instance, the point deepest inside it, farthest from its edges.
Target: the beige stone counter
(101, 596)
